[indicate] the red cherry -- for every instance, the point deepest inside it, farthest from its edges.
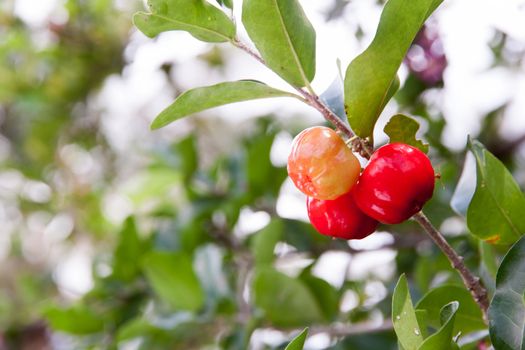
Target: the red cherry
(321, 165)
(339, 218)
(396, 183)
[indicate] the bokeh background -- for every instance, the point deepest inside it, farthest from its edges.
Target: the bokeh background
(87, 190)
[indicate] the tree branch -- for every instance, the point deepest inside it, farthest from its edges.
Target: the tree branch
(471, 282)
(362, 147)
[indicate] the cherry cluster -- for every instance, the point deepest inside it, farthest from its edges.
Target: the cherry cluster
(346, 203)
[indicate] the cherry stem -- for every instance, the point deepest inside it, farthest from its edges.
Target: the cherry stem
(473, 284)
(361, 146)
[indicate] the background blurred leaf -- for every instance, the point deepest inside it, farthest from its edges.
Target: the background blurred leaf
(326, 295)
(172, 277)
(202, 20)
(199, 99)
(78, 319)
(468, 317)
(371, 76)
(286, 301)
(126, 261)
(284, 36)
(495, 213)
(377, 340)
(404, 317)
(507, 308)
(401, 128)
(263, 244)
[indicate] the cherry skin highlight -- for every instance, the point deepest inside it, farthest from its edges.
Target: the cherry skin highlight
(396, 183)
(321, 165)
(340, 218)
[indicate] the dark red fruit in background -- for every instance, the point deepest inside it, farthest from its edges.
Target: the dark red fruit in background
(396, 183)
(339, 218)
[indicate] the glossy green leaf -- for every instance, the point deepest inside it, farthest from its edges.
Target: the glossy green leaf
(199, 99)
(264, 242)
(78, 320)
(404, 317)
(298, 342)
(422, 321)
(468, 316)
(202, 20)
(284, 36)
(507, 309)
(173, 279)
(401, 128)
(285, 301)
(442, 339)
(495, 213)
(371, 77)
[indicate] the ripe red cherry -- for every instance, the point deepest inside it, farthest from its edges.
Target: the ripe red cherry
(396, 183)
(340, 218)
(321, 165)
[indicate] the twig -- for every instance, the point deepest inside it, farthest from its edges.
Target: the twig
(239, 44)
(471, 282)
(359, 145)
(364, 148)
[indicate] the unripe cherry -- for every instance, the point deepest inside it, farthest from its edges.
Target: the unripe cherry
(396, 183)
(340, 218)
(321, 165)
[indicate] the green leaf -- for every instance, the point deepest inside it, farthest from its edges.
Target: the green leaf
(135, 328)
(173, 279)
(264, 179)
(468, 317)
(507, 309)
(264, 242)
(371, 77)
(128, 252)
(284, 36)
(404, 317)
(199, 99)
(422, 321)
(78, 320)
(298, 342)
(495, 213)
(202, 20)
(442, 339)
(326, 295)
(403, 129)
(286, 301)
(488, 265)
